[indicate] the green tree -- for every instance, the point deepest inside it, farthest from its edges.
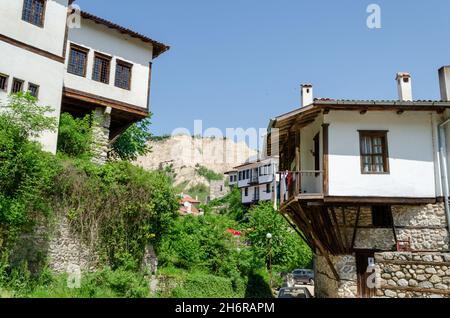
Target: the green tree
(75, 136)
(134, 141)
(287, 248)
(26, 172)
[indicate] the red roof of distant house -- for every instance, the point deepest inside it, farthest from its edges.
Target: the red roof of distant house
(188, 198)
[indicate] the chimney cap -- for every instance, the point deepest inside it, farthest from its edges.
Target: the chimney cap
(403, 75)
(306, 85)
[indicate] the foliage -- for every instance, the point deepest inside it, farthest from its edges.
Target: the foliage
(75, 136)
(208, 174)
(199, 191)
(104, 283)
(287, 249)
(26, 172)
(123, 209)
(134, 141)
(160, 138)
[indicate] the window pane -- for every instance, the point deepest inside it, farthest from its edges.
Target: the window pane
(366, 145)
(101, 70)
(3, 82)
(33, 89)
(77, 62)
(33, 11)
(123, 76)
(17, 86)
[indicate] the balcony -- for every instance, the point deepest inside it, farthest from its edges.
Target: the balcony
(254, 179)
(302, 185)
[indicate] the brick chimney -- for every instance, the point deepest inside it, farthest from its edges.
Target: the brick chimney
(404, 87)
(307, 95)
(444, 83)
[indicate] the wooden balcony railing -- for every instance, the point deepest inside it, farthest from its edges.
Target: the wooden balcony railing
(308, 183)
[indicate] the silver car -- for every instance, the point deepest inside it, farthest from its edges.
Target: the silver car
(300, 292)
(303, 276)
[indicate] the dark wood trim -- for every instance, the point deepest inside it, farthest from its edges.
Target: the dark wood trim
(31, 48)
(81, 49)
(355, 229)
(125, 64)
(325, 162)
(107, 59)
(378, 200)
(150, 67)
(106, 102)
(383, 134)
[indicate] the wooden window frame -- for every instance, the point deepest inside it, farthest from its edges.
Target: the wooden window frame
(82, 50)
(125, 64)
(106, 58)
(383, 134)
(44, 9)
(17, 80)
(6, 77)
(37, 89)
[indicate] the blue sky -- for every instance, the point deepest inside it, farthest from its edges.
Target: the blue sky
(237, 63)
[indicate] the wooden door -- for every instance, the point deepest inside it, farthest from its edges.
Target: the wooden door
(364, 274)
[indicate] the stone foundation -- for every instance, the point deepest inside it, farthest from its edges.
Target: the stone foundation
(100, 134)
(423, 272)
(413, 275)
(326, 285)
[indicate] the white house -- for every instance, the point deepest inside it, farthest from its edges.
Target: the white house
(366, 178)
(101, 66)
(257, 180)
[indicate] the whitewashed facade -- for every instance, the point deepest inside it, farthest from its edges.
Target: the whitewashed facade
(257, 180)
(114, 74)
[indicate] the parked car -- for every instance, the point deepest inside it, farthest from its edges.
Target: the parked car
(295, 292)
(303, 276)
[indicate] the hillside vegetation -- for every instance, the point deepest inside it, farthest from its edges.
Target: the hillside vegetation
(117, 210)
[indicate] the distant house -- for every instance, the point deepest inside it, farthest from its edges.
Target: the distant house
(232, 177)
(189, 206)
(257, 180)
(367, 184)
(101, 67)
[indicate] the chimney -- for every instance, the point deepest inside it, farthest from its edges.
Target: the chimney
(404, 87)
(444, 82)
(307, 95)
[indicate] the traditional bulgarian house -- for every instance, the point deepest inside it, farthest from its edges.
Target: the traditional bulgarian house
(97, 67)
(366, 182)
(257, 180)
(189, 206)
(232, 177)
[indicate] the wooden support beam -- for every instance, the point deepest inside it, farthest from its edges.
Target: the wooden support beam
(319, 245)
(355, 230)
(338, 229)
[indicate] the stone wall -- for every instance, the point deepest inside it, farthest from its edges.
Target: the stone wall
(100, 134)
(66, 249)
(218, 189)
(327, 286)
(424, 225)
(413, 275)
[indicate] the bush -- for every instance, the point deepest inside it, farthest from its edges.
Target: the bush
(134, 141)
(201, 285)
(75, 136)
(287, 249)
(26, 172)
(208, 174)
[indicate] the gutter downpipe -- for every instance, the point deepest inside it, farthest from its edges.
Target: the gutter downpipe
(444, 168)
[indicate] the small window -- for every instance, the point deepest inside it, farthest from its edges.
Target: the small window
(77, 61)
(317, 152)
(123, 75)
(246, 192)
(3, 82)
(34, 11)
(374, 152)
(17, 86)
(101, 68)
(382, 216)
(268, 188)
(33, 89)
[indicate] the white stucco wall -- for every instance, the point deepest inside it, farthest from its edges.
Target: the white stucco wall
(101, 39)
(411, 155)
(30, 67)
(310, 182)
(50, 38)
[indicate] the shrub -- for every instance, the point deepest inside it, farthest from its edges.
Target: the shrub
(134, 141)
(75, 136)
(201, 285)
(208, 174)
(199, 191)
